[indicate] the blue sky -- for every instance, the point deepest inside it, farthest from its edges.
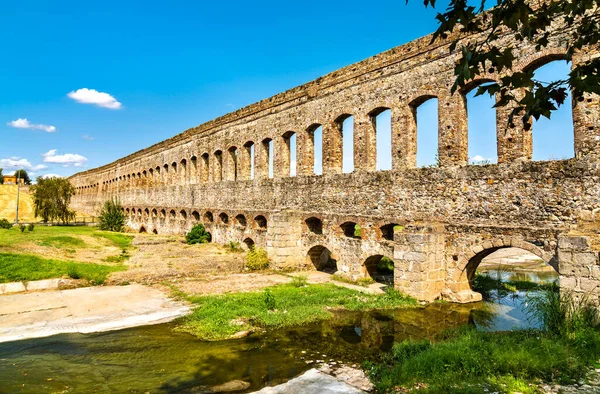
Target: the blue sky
(165, 67)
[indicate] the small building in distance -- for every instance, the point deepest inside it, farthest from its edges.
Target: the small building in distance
(12, 180)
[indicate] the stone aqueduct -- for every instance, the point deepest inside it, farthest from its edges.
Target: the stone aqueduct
(435, 223)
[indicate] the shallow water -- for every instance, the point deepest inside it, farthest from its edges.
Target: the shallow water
(155, 359)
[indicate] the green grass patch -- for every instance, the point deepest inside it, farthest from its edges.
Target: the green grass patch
(220, 316)
(23, 267)
(469, 361)
(63, 241)
(122, 241)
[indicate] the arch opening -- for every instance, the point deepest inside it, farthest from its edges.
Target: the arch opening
(381, 269)
(509, 271)
(379, 149)
(249, 150)
(172, 214)
(315, 148)
(261, 222)
(289, 159)
(142, 230)
(183, 214)
(554, 138)
(267, 154)
(249, 243)
(208, 217)
(232, 171)
(218, 174)
(351, 230)
(388, 230)
(224, 218)
(196, 216)
(482, 146)
(425, 118)
(314, 225)
(345, 126)
(320, 258)
(155, 231)
(240, 220)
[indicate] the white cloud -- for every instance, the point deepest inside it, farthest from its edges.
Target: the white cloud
(21, 164)
(87, 137)
(481, 160)
(91, 96)
(45, 176)
(67, 160)
(23, 123)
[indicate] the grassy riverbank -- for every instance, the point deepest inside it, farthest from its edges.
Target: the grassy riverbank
(57, 251)
(469, 361)
(221, 316)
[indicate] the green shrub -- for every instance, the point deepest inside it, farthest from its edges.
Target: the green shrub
(234, 247)
(22, 227)
(269, 300)
(111, 216)
(299, 281)
(198, 235)
(30, 227)
(257, 259)
(5, 224)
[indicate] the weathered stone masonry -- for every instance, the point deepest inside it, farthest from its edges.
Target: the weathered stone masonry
(451, 216)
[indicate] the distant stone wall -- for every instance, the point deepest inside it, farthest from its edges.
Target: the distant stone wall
(435, 223)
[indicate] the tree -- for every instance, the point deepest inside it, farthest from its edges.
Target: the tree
(528, 20)
(51, 199)
(1, 177)
(111, 216)
(22, 174)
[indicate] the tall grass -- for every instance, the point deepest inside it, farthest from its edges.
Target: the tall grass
(563, 313)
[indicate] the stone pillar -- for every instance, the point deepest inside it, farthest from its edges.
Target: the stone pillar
(305, 153)
(283, 231)
(453, 130)
(332, 148)
(419, 263)
(261, 152)
(281, 159)
(586, 119)
(365, 143)
(404, 137)
(514, 139)
(579, 266)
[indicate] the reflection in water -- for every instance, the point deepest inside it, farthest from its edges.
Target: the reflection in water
(507, 310)
(155, 359)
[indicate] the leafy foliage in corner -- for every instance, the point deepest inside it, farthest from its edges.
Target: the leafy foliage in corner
(111, 216)
(198, 235)
(51, 199)
(257, 259)
(529, 21)
(5, 224)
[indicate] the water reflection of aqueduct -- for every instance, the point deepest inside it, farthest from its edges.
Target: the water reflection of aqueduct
(236, 175)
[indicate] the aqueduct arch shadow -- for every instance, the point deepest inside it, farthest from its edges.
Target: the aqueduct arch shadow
(320, 257)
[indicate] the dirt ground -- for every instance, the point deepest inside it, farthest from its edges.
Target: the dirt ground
(202, 269)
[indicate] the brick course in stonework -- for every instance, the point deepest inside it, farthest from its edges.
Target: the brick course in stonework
(437, 224)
